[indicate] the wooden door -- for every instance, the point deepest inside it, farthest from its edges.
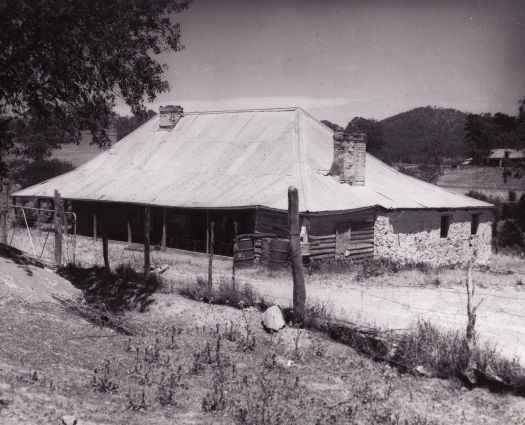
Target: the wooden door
(343, 232)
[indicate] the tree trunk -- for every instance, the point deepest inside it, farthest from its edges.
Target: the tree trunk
(299, 290)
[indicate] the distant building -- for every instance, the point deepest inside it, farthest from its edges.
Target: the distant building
(505, 156)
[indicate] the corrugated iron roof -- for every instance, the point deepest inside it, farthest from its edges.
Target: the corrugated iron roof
(236, 159)
(502, 153)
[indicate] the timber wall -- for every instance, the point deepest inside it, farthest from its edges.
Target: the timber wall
(322, 231)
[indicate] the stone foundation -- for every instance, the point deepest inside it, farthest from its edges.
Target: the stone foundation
(415, 236)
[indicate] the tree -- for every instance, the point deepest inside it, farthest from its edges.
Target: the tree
(332, 125)
(374, 133)
(125, 125)
(28, 173)
(69, 60)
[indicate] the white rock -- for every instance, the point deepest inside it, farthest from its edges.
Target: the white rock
(69, 420)
(272, 318)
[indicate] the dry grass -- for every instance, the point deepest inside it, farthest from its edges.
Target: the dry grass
(184, 370)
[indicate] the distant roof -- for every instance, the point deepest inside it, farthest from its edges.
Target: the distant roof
(236, 159)
(512, 154)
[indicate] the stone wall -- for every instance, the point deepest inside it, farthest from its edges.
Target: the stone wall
(415, 236)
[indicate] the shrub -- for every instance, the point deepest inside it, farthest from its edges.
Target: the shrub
(443, 354)
(509, 234)
(123, 289)
(28, 173)
(225, 293)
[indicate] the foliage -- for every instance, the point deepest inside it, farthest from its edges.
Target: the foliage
(510, 234)
(125, 125)
(123, 289)
(426, 172)
(332, 125)
(374, 133)
(26, 173)
(425, 134)
(69, 61)
(226, 293)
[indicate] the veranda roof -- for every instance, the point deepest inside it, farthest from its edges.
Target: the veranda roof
(239, 159)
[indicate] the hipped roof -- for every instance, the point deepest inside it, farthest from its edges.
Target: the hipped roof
(239, 159)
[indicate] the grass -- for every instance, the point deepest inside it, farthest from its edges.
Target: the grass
(225, 292)
(182, 370)
(423, 348)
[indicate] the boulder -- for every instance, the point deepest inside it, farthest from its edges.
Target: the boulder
(69, 420)
(272, 319)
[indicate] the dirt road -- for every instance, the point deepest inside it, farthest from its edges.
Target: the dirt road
(501, 316)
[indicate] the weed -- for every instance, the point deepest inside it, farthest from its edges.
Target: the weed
(137, 402)
(296, 339)
(168, 386)
(215, 400)
(225, 293)
(102, 382)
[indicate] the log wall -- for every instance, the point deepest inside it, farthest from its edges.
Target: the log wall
(322, 229)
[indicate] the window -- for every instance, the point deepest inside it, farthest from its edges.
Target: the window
(474, 224)
(445, 224)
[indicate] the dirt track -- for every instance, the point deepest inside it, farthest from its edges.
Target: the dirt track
(501, 316)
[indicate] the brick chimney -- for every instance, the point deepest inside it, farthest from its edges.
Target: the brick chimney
(349, 157)
(170, 115)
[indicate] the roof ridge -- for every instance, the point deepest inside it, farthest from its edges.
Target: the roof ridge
(323, 126)
(230, 111)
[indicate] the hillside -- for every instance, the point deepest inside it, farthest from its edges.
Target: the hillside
(414, 136)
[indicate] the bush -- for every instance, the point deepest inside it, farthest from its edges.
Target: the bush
(509, 234)
(123, 289)
(28, 173)
(225, 293)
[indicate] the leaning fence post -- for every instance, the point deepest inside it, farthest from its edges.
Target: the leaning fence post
(59, 212)
(299, 291)
(210, 263)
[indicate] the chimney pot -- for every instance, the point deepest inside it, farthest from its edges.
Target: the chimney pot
(170, 115)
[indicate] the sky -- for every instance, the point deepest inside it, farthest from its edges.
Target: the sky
(340, 59)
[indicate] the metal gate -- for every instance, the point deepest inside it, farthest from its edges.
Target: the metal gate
(33, 231)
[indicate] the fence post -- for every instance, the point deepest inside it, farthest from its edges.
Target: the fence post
(210, 264)
(299, 291)
(94, 227)
(105, 244)
(4, 214)
(235, 224)
(58, 222)
(164, 230)
(147, 226)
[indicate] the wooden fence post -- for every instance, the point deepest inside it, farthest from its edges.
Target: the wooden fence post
(147, 226)
(299, 291)
(129, 232)
(235, 224)
(105, 245)
(210, 264)
(164, 230)
(58, 222)
(4, 213)
(94, 227)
